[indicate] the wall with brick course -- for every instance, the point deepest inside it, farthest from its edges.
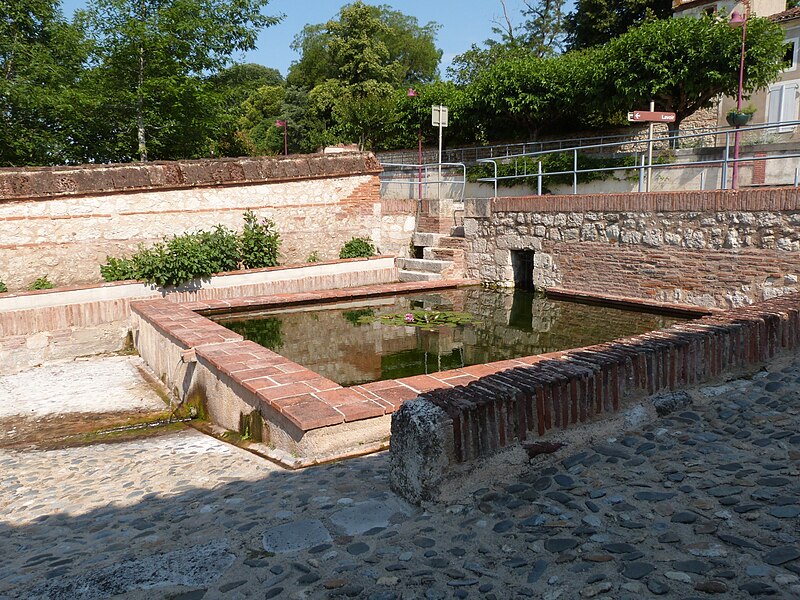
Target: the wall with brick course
(562, 390)
(64, 221)
(715, 249)
(62, 324)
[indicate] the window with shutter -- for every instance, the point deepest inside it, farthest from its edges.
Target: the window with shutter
(782, 104)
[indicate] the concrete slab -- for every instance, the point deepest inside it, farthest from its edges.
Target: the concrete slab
(364, 516)
(94, 385)
(295, 536)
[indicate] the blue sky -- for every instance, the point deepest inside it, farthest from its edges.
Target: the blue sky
(463, 22)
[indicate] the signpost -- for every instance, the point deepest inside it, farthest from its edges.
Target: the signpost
(650, 116)
(440, 119)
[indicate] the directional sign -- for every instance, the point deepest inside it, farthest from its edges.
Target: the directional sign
(646, 115)
(439, 116)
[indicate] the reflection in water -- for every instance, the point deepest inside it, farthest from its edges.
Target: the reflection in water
(329, 339)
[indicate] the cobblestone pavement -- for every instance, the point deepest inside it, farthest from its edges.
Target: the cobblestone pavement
(699, 504)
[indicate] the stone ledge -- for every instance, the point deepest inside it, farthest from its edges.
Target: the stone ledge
(576, 386)
(65, 181)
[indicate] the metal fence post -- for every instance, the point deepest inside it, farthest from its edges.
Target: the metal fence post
(539, 180)
(727, 155)
(641, 175)
(575, 171)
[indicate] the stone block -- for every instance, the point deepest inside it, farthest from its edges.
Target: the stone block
(421, 452)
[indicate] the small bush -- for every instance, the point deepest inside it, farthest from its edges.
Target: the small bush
(259, 242)
(313, 257)
(358, 248)
(3, 287)
(182, 258)
(41, 283)
(118, 269)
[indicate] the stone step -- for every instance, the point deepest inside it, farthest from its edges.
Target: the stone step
(451, 254)
(427, 239)
(421, 264)
(407, 275)
(452, 242)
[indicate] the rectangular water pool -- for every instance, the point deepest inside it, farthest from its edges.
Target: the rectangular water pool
(349, 343)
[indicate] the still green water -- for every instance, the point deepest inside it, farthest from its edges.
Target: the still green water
(330, 340)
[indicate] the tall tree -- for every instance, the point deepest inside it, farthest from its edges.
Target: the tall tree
(366, 43)
(682, 64)
(543, 27)
(595, 22)
(152, 60)
(541, 34)
(41, 56)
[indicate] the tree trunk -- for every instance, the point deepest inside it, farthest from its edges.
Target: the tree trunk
(141, 134)
(673, 130)
(140, 131)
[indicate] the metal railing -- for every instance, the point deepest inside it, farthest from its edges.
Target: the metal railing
(473, 154)
(422, 177)
(644, 166)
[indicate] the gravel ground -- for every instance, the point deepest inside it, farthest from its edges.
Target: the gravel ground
(701, 503)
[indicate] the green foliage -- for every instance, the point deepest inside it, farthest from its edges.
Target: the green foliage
(3, 287)
(358, 248)
(118, 269)
(41, 283)
(428, 320)
(182, 258)
(148, 93)
(552, 163)
(366, 43)
(313, 257)
(259, 242)
(357, 317)
(41, 57)
(682, 64)
(595, 22)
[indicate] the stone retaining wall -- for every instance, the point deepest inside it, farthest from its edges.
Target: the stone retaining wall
(63, 221)
(715, 249)
(444, 428)
(62, 324)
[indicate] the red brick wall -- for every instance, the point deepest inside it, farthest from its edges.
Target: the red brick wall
(577, 385)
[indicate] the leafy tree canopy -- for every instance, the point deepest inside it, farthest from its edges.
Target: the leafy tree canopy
(682, 64)
(366, 43)
(595, 22)
(41, 57)
(152, 60)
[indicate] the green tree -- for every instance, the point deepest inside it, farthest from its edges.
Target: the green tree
(260, 111)
(544, 25)
(683, 64)
(41, 57)
(595, 22)
(541, 34)
(152, 61)
(366, 43)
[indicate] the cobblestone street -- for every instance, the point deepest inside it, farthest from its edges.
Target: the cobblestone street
(703, 503)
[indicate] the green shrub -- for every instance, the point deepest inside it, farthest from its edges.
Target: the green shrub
(41, 283)
(259, 242)
(3, 287)
(358, 248)
(118, 269)
(313, 257)
(182, 258)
